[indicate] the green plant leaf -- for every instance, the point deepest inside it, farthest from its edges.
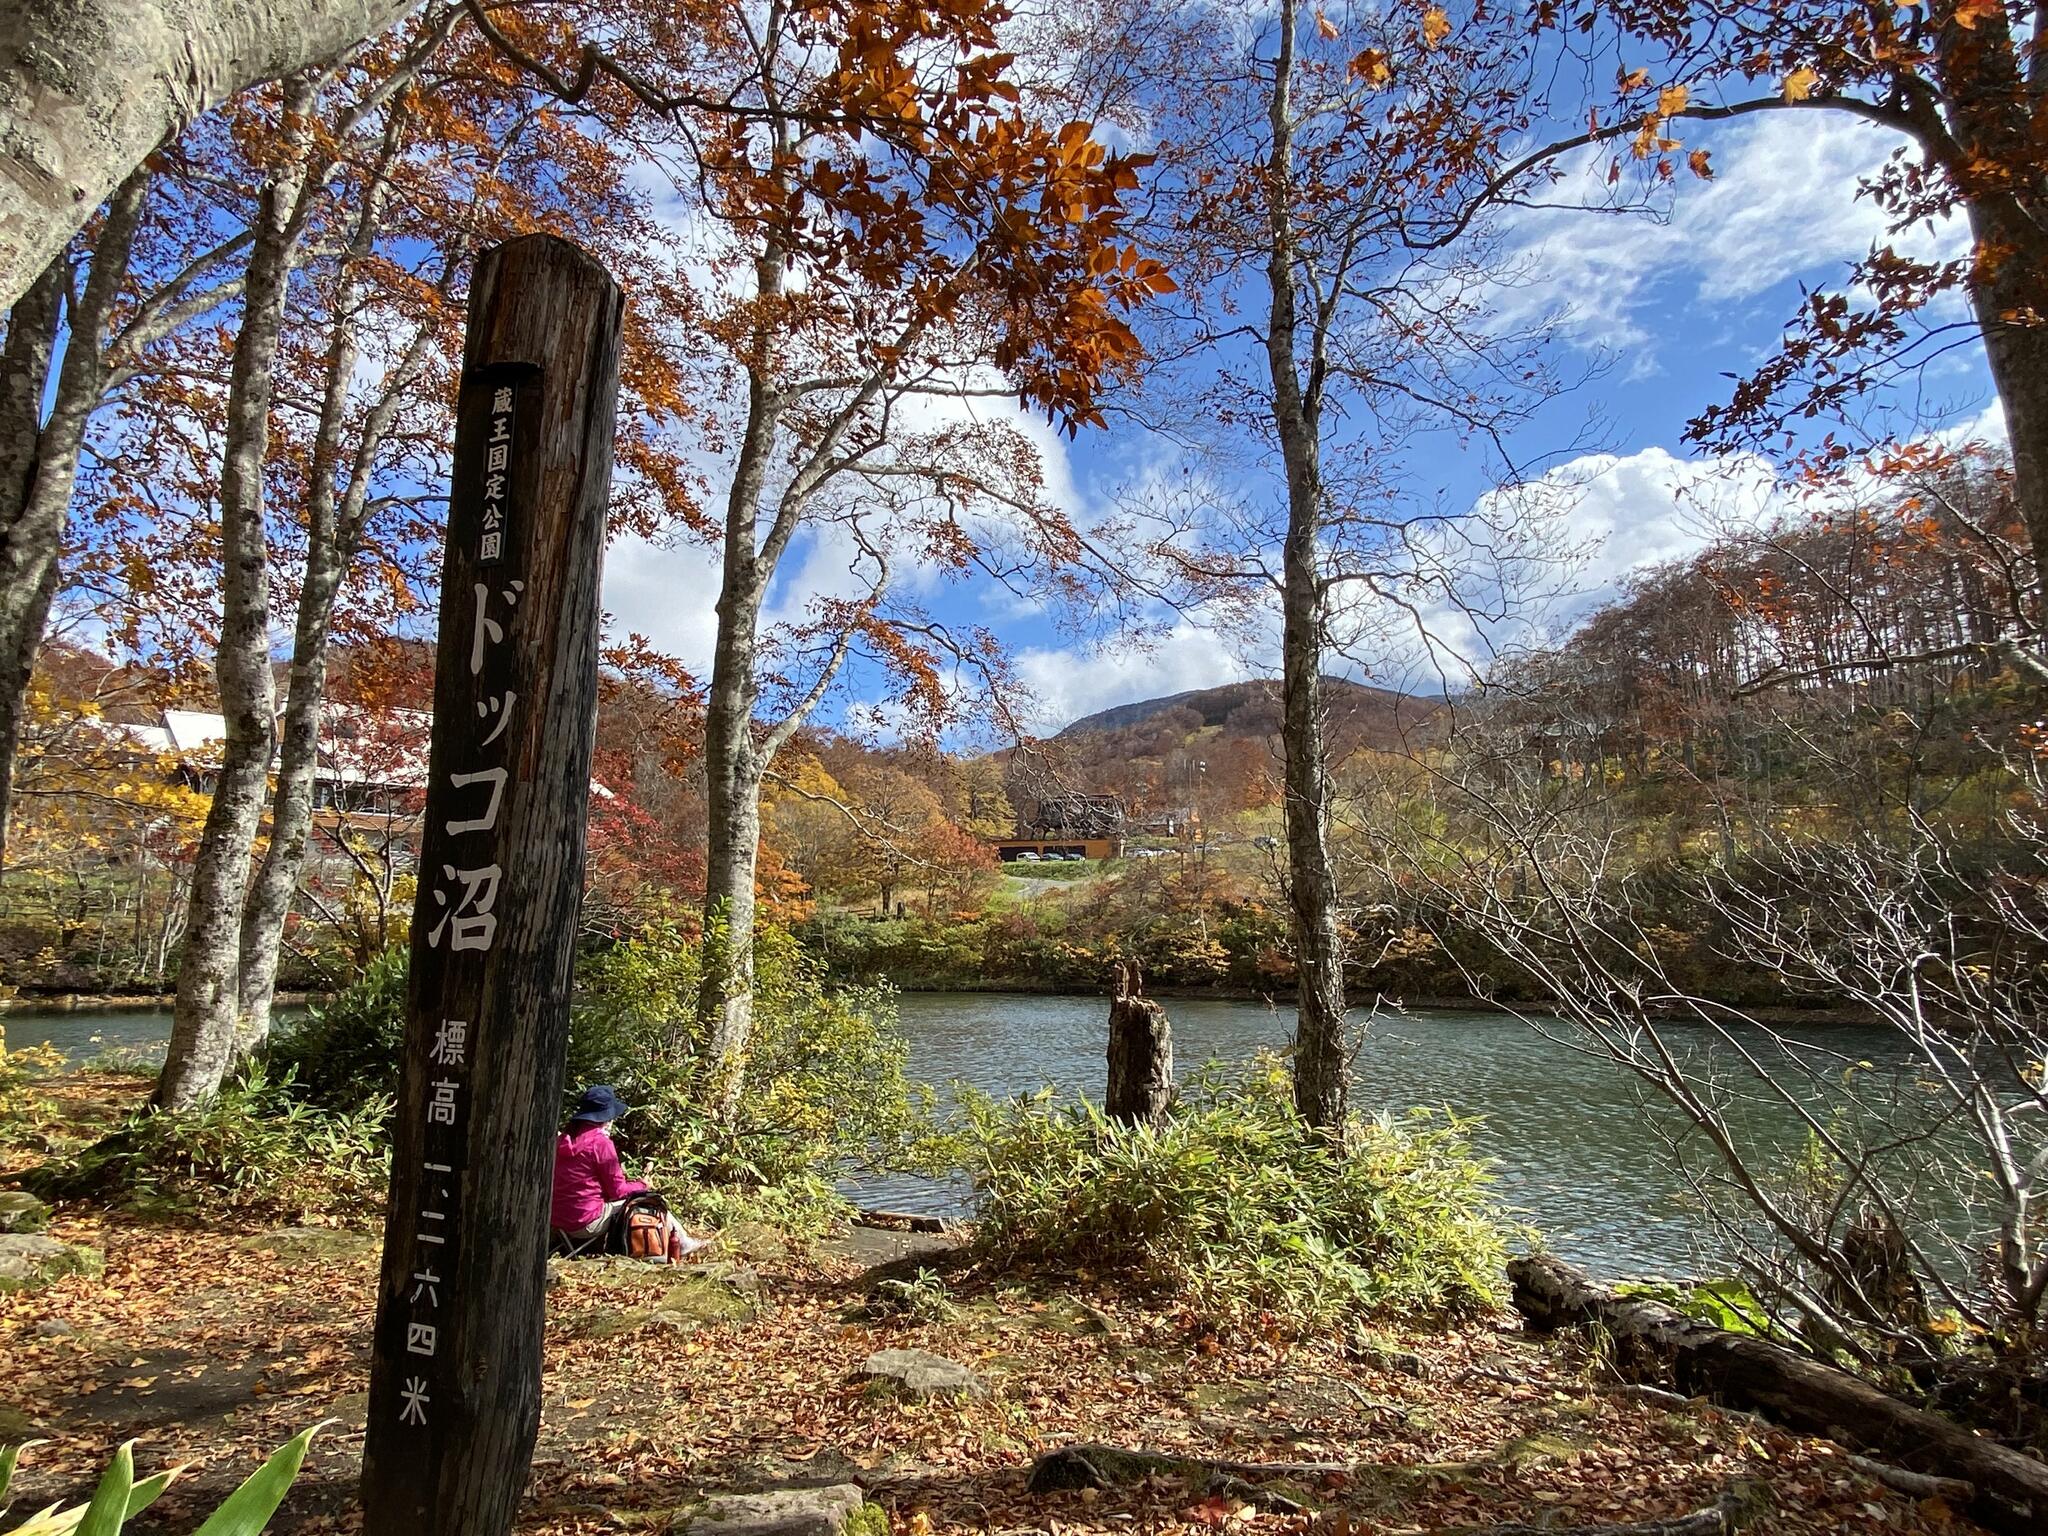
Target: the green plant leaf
(108, 1511)
(249, 1508)
(64, 1522)
(9, 1455)
(146, 1492)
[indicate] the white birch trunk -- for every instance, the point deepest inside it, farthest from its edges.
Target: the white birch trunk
(334, 527)
(733, 768)
(39, 459)
(1321, 1065)
(88, 88)
(203, 1028)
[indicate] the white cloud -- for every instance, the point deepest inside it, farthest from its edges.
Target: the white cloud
(1069, 683)
(1651, 506)
(1626, 512)
(1620, 512)
(1783, 203)
(666, 592)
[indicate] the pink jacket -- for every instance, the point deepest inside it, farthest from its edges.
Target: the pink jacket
(587, 1174)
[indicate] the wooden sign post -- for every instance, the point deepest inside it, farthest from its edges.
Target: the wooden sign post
(455, 1379)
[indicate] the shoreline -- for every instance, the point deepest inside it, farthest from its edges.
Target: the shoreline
(120, 1002)
(1775, 1015)
(137, 1002)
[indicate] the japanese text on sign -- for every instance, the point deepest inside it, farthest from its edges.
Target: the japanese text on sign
(463, 887)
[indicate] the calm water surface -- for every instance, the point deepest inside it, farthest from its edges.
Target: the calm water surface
(1566, 1132)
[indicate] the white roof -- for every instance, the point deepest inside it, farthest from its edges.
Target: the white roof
(151, 738)
(191, 729)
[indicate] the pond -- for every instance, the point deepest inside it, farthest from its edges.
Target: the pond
(1566, 1131)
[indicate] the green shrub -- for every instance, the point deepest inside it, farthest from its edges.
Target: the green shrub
(824, 1087)
(347, 1049)
(924, 1298)
(25, 1109)
(1236, 1208)
(254, 1146)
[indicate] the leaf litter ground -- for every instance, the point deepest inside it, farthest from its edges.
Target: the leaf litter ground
(210, 1346)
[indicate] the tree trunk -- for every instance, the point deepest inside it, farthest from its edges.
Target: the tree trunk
(24, 377)
(1140, 1055)
(733, 764)
(269, 899)
(39, 460)
(732, 783)
(2011, 1490)
(203, 1027)
(334, 525)
(88, 88)
(1989, 109)
(1321, 1064)
(2016, 349)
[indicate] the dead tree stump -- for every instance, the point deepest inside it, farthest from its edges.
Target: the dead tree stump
(1140, 1054)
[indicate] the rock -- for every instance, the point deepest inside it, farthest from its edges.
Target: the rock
(29, 1259)
(916, 1373)
(785, 1512)
(307, 1245)
(740, 1279)
(703, 1296)
(21, 1211)
(1368, 1351)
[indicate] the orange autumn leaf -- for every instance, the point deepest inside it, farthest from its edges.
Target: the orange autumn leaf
(1672, 99)
(1372, 67)
(1800, 83)
(1436, 26)
(1698, 161)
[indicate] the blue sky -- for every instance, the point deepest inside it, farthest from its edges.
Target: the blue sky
(1668, 304)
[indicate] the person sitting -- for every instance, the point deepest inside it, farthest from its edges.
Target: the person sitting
(592, 1192)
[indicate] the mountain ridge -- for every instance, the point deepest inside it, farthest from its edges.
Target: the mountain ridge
(1253, 701)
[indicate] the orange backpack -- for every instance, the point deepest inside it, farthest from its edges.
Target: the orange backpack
(647, 1230)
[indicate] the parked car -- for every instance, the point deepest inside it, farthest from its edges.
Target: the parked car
(1027, 858)
(1074, 858)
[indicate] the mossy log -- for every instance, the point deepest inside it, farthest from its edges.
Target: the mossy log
(2009, 1490)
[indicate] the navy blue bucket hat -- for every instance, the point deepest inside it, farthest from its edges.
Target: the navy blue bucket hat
(599, 1105)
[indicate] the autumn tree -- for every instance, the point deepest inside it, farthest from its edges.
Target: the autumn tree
(1961, 82)
(394, 166)
(300, 146)
(106, 820)
(95, 320)
(969, 256)
(1325, 180)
